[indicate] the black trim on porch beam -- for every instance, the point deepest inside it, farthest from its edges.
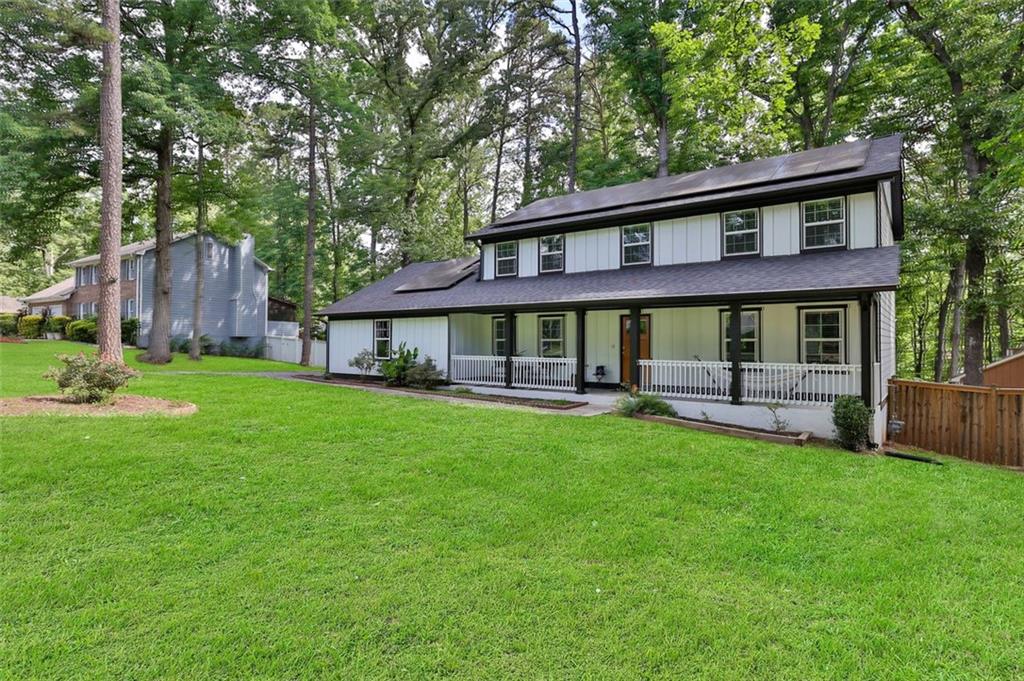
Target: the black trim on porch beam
(866, 364)
(735, 351)
(581, 351)
(634, 347)
(510, 342)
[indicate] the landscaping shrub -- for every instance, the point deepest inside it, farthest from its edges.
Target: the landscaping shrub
(86, 378)
(179, 343)
(424, 375)
(852, 421)
(8, 325)
(643, 403)
(396, 368)
(30, 326)
(364, 361)
(130, 331)
(57, 324)
(240, 349)
(83, 330)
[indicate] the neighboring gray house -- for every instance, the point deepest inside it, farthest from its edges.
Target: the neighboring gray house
(234, 288)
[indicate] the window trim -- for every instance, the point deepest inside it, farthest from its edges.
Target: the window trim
(540, 334)
(800, 339)
(845, 226)
(649, 243)
(514, 258)
(757, 231)
(377, 338)
(130, 269)
(494, 335)
(723, 334)
(541, 254)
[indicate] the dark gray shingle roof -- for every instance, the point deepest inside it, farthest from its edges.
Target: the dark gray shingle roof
(868, 269)
(834, 166)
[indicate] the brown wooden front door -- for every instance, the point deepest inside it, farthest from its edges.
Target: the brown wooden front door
(645, 344)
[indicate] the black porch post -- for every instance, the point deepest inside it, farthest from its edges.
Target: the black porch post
(581, 351)
(510, 343)
(327, 346)
(735, 351)
(866, 364)
(634, 347)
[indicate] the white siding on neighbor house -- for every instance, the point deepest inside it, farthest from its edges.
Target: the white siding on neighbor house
(885, 235)
(487, 261)
(862, 213)
(780, 229)
(593, 249)
(528, 257)
(350, 336)
(684, 240)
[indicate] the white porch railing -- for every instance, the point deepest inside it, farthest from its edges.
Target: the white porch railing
(785, 383)
(549, 373)
(552, 373)
(479, 369)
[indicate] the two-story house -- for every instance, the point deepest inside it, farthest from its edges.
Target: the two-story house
(234, 289)
(723, 290)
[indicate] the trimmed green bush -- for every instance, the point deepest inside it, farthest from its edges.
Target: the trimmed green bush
(396, 368)
(82, 330)
(643, 403)
(238, 349)
(424, 375)
(852, 421)
(57, 324)
(30, 326)
(8, 325)
(130, 331)
(86, 378)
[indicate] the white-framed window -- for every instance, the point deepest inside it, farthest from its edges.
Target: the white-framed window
(824, 223)
(750, 336)
(127, 308)
(741, 232)
(552, 253)
(128, 269)
(506, 259)
(823, 336)
(636, 244)
(552, 336)
(499, 336)
(86, 310)
(95, 274)
(382, 338)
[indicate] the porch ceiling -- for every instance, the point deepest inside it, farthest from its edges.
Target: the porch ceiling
(807, 276)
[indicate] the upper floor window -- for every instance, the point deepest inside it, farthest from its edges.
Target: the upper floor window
(506, 258)
(822, 336)
(740, 228)
(552, 253)
(87, 275)
(128, 269)
(750, 336)
(824, 223)
(498, 336)
(382, 338)
(636, 244)
(552, 336)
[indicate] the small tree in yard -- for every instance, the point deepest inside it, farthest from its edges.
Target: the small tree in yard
(87, 378)
(852, 420)
(364, 361)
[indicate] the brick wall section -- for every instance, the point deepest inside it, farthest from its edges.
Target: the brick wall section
(90, 293)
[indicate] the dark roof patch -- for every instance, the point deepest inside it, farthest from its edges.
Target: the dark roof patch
(443, 275)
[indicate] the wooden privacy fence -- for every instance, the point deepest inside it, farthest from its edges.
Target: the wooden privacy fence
(978, 423)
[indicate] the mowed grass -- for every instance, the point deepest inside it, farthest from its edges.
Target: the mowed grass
(292, 530)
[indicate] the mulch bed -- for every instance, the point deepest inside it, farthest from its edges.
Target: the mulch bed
(540, 403)
(122, 405)
(798, 439)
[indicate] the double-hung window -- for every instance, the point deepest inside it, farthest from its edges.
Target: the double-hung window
(823, 336)
(740, 228)
(506, 258)
(552, 253)
(552, 336)
(750, 336)
(382, 338)
(636, 244)
(498, 336)
(128, 269)
(95, 274)
(824, 223)
(127, 308)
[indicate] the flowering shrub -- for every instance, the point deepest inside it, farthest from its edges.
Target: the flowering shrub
(86, 378)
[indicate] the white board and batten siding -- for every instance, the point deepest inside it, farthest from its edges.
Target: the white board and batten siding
(698, 238)
(348, 337)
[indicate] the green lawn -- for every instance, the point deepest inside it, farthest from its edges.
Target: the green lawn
(295, 530)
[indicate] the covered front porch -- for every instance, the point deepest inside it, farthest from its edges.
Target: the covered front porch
(790, 353)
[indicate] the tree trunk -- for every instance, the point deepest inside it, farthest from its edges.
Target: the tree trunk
(195, 348)
(335, 235)
(577, 96)
(108, 330)
(662, 144)
(528, 150)
(307, 275)
(955, 336)
(974, 329)
(940, 334)
(159, 350)
(497, 173)
(918, 345)
(1002, 313)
